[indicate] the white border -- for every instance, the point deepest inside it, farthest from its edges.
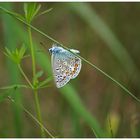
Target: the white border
(69, 0)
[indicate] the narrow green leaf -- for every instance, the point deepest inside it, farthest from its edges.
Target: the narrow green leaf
(22, 51)
(96, 135)
(87, 13)
(36, 10)
(25, 9)
(14, 86)
(16, 52)
(44, 12)
(11, 37)
(45, 82)
(8, 52)
(30, 114)
(39, 74)
(13, 14)
(30, 10)
(5, 54)
(3, 96)
(70, 94)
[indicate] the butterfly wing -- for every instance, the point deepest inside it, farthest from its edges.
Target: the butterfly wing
(74, 64)
(65, 66)
(60, 70)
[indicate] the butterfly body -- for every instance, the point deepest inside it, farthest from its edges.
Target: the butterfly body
(65, 65)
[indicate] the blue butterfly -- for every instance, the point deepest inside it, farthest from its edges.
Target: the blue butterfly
(65, 65)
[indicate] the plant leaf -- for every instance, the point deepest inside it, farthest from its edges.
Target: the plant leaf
(13, 13)
(39, 74)
(25, 9)
(30, 10)
(45, 82)
(44, 12)
(14, 86)
(22, 51)
(3, 96)
(36, 10)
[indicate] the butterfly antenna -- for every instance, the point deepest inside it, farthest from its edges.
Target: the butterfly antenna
(43, 45)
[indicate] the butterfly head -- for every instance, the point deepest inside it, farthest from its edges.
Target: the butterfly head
(55, 49)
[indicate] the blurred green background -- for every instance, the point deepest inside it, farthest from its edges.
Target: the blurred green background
(106, 34)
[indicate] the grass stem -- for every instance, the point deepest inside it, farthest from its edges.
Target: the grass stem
(37, 105)
(30, 114)
(24, 75)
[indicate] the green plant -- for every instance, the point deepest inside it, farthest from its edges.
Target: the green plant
(29, 16)
(31, 11)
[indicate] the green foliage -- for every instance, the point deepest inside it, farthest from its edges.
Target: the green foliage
(31, 12)
(11, 38)
(44, 12)
(45, 82)
(12, 13)
(16, 55)
(86, 61)
(41, 84)
(4, 96)
(70, 94)
(14, 87)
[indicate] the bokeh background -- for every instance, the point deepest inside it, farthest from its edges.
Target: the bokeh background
(106, 34)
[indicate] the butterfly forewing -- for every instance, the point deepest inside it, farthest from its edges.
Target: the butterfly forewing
(60, 70)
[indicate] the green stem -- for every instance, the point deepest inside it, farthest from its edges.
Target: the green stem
(14, 86)
(37, 105)
(32, 52)
(38, 112)
(24, 75)
(45, 129)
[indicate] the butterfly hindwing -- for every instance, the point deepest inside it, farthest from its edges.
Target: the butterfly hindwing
(74, 64)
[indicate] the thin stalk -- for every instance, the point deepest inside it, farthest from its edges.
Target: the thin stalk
(32, 53)
(96, 135)
(24, 75)
(37, 105)
(30, 114)
(14, 86)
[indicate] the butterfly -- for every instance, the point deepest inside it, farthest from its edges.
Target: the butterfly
(65, 65)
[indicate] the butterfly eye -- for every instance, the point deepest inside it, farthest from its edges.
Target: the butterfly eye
(50, 50)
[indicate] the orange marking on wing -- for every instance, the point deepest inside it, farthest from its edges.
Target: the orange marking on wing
(76, 65)
(63, 78)
(73, 72)
(67, 72)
